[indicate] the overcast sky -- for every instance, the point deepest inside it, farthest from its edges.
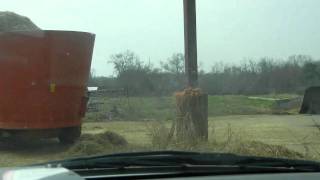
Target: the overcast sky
(228, 30)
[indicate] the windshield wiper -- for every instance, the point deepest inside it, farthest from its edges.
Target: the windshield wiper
(188, 161)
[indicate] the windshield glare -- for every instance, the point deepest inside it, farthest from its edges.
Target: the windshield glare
(83, 78)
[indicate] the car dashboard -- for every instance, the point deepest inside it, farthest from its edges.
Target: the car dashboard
(56, 173)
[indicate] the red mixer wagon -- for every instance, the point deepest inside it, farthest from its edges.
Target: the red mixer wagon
(43, 83)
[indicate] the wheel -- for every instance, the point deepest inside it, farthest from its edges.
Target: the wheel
(69, 135)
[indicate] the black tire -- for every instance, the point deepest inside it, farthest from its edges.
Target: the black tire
(69, 135)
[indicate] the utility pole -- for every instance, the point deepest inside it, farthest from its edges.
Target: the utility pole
(192, 103)
(190, 36)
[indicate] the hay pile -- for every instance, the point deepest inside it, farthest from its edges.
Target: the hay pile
(91, 144)
(10, 21)
(190, 92)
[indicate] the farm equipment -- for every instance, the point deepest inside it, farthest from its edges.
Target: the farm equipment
(43, 83)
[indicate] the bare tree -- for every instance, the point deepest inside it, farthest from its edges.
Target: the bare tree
(174, 64)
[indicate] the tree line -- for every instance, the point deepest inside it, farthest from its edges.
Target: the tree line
(262, 76)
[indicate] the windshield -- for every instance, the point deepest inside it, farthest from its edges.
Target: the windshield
(83, 78)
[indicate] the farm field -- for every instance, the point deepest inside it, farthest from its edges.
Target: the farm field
(296, 132)
(232, 128)
(163, 108)
(292, 131)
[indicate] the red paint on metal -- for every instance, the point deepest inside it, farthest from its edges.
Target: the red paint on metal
(43, 78)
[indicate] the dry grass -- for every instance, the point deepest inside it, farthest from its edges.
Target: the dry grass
(233, 143)
(236, 143)
(293, 136)
(90, 144)
(160, 135)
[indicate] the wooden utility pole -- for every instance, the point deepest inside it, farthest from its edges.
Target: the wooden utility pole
(190, 42)
(192, 103)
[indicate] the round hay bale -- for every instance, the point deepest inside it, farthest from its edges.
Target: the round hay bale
(10, 21)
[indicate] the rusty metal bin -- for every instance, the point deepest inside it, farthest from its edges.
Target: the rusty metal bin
(43, 81)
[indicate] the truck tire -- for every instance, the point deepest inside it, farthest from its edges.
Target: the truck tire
(69, 135)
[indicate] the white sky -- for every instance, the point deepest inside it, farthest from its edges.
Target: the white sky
(228, 30)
